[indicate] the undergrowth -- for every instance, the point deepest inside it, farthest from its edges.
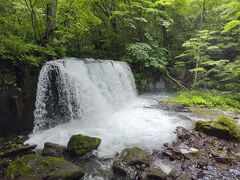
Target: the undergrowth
(208, 99)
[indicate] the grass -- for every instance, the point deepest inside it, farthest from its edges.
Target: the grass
(208, 99)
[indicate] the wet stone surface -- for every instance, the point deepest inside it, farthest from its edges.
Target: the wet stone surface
(207, 157)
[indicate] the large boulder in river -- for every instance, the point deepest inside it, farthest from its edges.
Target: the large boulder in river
(37, 167)
(80, 145)
(224, 127)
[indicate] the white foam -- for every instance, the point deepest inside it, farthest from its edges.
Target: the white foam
(134, 125)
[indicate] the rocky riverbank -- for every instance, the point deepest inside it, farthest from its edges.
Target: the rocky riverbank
(210, 150)
(193, 155)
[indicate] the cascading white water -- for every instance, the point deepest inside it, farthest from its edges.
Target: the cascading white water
(71, 89)
(98, 98)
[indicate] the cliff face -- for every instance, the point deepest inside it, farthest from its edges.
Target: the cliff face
(17, 104)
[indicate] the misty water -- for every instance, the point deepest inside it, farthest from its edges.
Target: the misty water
(98, 98)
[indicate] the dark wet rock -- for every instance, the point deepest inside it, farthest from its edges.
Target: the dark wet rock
(37, 167)
(14, 146)
(222, 157)
(18, 102)
(51, 149)
(182, 133)
(169, 154)
(156, 174)
(80, 145)
(17, 151)
(120, 169)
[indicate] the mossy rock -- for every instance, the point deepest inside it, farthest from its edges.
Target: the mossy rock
(80, 145)
(224, 127)
(37, 167)
(133, 156)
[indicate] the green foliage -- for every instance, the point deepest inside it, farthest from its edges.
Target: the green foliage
(145, 54)
(208, 99)
(196, 41)
(141, 81)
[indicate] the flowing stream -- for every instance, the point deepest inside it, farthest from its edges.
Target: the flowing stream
(98, 98)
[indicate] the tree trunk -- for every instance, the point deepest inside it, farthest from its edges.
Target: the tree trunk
(196, 69)
(50, 21)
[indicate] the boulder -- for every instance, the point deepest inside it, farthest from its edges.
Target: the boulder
(182, 133)
(37, 167)
(223, 127)
(80, 145)
(51, 149)
(134, 156)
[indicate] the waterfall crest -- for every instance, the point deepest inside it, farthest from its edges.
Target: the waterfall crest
(71, 89)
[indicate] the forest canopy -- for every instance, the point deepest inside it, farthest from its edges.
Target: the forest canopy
(192, 42)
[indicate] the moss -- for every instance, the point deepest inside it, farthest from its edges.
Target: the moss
(196, 154)
(18, 167)
(81, 145)
(223, 127)
(229, 125)
(37, 167)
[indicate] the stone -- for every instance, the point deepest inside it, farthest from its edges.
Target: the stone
(37, 167)
(189, 151)
(182, 133)
(19, 150)
(222, 157)
(156, 174)
(51, 149)
(134, 156)
(80, 145)
(130, 162)
(169, 154)
(120, 169)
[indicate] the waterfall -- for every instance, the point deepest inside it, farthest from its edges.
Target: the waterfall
(79, 90)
